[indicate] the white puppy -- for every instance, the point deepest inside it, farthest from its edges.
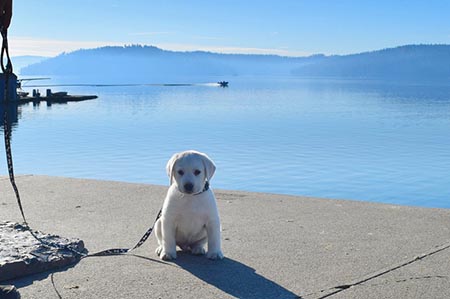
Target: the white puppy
(190, 218)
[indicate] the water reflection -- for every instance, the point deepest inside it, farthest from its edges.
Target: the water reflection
(11, 112)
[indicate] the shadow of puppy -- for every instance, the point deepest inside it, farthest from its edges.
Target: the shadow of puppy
(233, 278)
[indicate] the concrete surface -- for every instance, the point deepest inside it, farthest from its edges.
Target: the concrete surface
(276, 246)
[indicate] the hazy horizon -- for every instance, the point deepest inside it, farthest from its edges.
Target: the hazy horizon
(425, 63)
(232, 53)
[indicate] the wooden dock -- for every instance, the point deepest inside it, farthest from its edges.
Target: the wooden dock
(53, 99)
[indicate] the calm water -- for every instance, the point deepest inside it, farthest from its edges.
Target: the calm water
(338, 139)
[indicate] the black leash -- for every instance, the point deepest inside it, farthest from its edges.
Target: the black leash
(7, 71)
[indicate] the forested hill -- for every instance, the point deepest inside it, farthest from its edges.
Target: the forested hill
(151, 63)
(414, 62)
(144, 63)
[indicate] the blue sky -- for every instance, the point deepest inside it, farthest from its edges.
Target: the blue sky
(285, 27)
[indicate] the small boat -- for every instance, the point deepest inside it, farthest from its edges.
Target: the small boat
(223, 83)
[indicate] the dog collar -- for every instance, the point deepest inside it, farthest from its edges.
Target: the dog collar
(206, 188)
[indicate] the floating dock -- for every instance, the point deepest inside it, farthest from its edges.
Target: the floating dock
(56, 99)
(52, 98)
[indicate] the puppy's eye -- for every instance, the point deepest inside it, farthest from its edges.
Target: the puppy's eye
(180, 172)
(197, 172)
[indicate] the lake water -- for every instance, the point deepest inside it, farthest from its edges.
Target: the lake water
(360, 140)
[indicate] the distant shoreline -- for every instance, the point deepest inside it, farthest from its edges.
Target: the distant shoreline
(411, 62)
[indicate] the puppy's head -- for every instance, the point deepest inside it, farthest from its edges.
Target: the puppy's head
(190, 170)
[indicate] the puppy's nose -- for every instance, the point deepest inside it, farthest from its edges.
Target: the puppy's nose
(188, 187)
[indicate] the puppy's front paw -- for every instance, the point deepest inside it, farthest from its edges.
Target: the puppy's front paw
(167, 256)
(215, 255)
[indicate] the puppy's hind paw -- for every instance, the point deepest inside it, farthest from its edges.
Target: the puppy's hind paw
(198, 251)
(158, 250)
(216, 255)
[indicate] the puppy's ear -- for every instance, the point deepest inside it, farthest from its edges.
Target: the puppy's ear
(210, 168)
(170, 167)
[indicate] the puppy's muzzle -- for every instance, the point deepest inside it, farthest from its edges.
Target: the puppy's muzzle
(188, 188)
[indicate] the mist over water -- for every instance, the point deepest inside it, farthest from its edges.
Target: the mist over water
(364, 140)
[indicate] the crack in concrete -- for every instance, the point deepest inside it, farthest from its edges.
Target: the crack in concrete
(423, 277)
(343, 287)
(409, 279)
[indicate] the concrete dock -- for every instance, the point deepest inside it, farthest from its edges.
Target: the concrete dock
(275, 246)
